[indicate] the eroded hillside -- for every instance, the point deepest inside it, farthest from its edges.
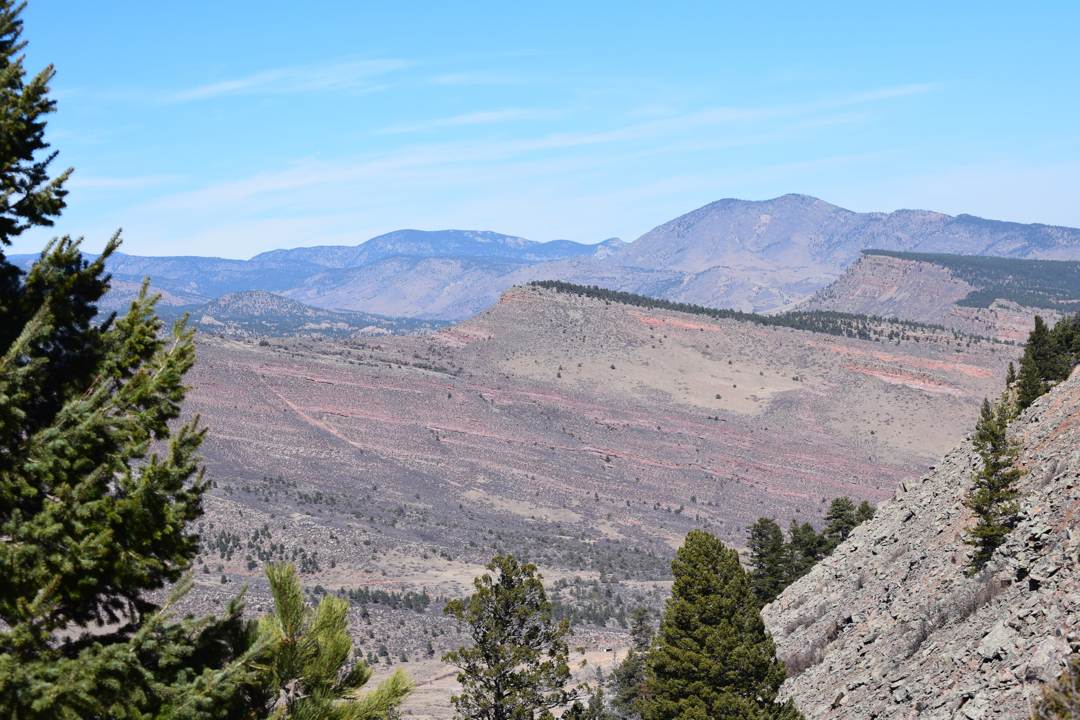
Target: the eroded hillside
(893, 627)
(924, 292)
(587, 437)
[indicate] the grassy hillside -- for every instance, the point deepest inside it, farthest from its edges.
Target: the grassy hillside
(1032, 283)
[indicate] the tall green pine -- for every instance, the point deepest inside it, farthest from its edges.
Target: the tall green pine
(803, 550)
(841, 518)
(712, 657)
(99, 480)
(628, 679)
(517, 666)
(993, 496)
(768, 555)
(1044, 362)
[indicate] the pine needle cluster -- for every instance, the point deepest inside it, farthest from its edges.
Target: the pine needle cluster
(305, 673)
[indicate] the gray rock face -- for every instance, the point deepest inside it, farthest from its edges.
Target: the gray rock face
(892, 620)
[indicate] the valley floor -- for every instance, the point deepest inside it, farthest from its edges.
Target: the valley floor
(584, 436)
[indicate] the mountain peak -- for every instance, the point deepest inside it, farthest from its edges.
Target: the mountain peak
(804, 235)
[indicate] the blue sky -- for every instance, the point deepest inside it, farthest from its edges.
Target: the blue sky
(230, 128)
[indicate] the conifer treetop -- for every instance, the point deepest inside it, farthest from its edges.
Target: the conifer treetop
(28, 196)
(712, 656)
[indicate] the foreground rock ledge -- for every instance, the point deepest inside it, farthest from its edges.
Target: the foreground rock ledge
(890, 626)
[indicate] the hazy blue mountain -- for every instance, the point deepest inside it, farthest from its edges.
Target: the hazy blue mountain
(799, 230)
(774, 253)
(749, 255)
(434, 244)
(457, 288)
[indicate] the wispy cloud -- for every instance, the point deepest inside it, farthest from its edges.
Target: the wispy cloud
(534, 182)
(428, 163)
(79, 182)
(475, 78)
(475, 118)
(338, 76)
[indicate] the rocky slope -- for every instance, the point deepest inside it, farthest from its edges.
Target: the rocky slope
(895, 626)
(925, 292)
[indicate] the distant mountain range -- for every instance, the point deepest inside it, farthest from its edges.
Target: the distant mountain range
(747, 255)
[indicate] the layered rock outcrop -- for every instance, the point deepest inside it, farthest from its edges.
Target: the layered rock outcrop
(891, 626)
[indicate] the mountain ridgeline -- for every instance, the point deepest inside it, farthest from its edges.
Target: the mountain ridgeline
(993, 296)
(864, 327)
(752, 256)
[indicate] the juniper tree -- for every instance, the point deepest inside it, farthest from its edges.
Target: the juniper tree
(517, 667)
(993, 496)
(712, 657)
(98, 479)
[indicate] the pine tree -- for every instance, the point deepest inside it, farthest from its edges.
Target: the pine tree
(1066, 334)
(98, 480)
(630, 676)
(517, 667)
(768, 579)
(993, 496)
(712, 657)
(305, 670)
(841, 521)
(865, 512)
(1042, 364)
(804, 547)
(30, 198)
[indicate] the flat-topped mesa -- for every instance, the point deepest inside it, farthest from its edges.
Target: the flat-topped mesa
(891, 626)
